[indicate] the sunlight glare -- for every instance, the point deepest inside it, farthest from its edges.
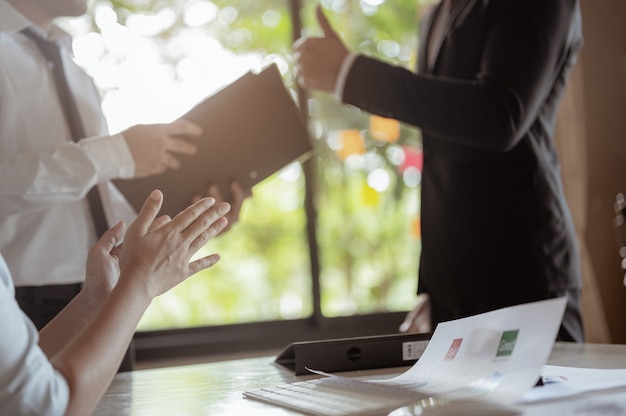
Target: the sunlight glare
(291, 173)
(151, 24)
(412, 177)
(370, 7)
(395, 155)
(375, 3)
(105, 16)
(372, 161)
(290, 306)
(200, 13)
(271, 18)
(379, 180)
(389, 48)
(228, 15)
(90, 49)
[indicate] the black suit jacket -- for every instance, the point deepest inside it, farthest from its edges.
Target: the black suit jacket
(496, 229)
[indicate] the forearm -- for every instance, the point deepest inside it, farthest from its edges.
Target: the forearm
(91, 359)
(70, 321)
(39, 178)
(155, 256)
(474, 113)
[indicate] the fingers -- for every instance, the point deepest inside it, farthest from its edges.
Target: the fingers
(159, 222)
(179, 131)
(169, 161)
(184, 127)
(419, 319)
(324, 23)
(206, 234)
(203, 263)
(154, 147)
(148, 213)
(181, 146)
(414, 326)
(200, 218)
(417, 324)
(174, 146)
(117, 250)
(215, 192)
(207, 225)
(319, 59)
(112, 237)
(408, 321)
(200, 222)
(239, 197)
(239, 193)
(212, 191)
(186, 217)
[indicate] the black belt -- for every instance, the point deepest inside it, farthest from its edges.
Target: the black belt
(48, 292)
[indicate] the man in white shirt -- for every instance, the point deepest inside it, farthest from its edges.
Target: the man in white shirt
(67, 366)
(46, 227)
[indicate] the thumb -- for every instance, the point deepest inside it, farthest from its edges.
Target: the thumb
(112, 236)
(324, 23)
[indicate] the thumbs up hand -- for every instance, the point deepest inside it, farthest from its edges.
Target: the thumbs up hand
(319, 59)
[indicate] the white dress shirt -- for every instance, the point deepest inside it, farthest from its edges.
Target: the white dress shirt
(46, 227)
(342, 76)
(29, 385)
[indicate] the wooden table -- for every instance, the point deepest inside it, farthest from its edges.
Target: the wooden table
(216, 388)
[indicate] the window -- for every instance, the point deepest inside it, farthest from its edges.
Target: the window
(319, 244)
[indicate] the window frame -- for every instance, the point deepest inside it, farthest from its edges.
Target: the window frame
(248, 338)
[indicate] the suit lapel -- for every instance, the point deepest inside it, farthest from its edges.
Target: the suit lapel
(458, 13)
(424, 38)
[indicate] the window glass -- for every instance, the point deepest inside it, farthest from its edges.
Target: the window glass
(153, 60)
(369, 173)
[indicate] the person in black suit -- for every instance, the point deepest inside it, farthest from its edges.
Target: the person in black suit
(496, 227)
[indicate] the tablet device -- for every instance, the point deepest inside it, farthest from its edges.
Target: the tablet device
(251, 129)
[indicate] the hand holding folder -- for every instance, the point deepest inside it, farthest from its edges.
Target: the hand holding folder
(251, 129)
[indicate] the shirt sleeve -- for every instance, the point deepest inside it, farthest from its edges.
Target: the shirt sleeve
(40, 179)
(29, 384)
(344, 70)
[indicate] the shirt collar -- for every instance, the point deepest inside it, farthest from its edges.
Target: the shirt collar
(12, 20)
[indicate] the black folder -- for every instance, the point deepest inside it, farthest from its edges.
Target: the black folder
(251, 129)
(351, 354)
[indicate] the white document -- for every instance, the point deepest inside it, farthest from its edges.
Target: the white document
(561, 382)
(492, 357)
(497, 355)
